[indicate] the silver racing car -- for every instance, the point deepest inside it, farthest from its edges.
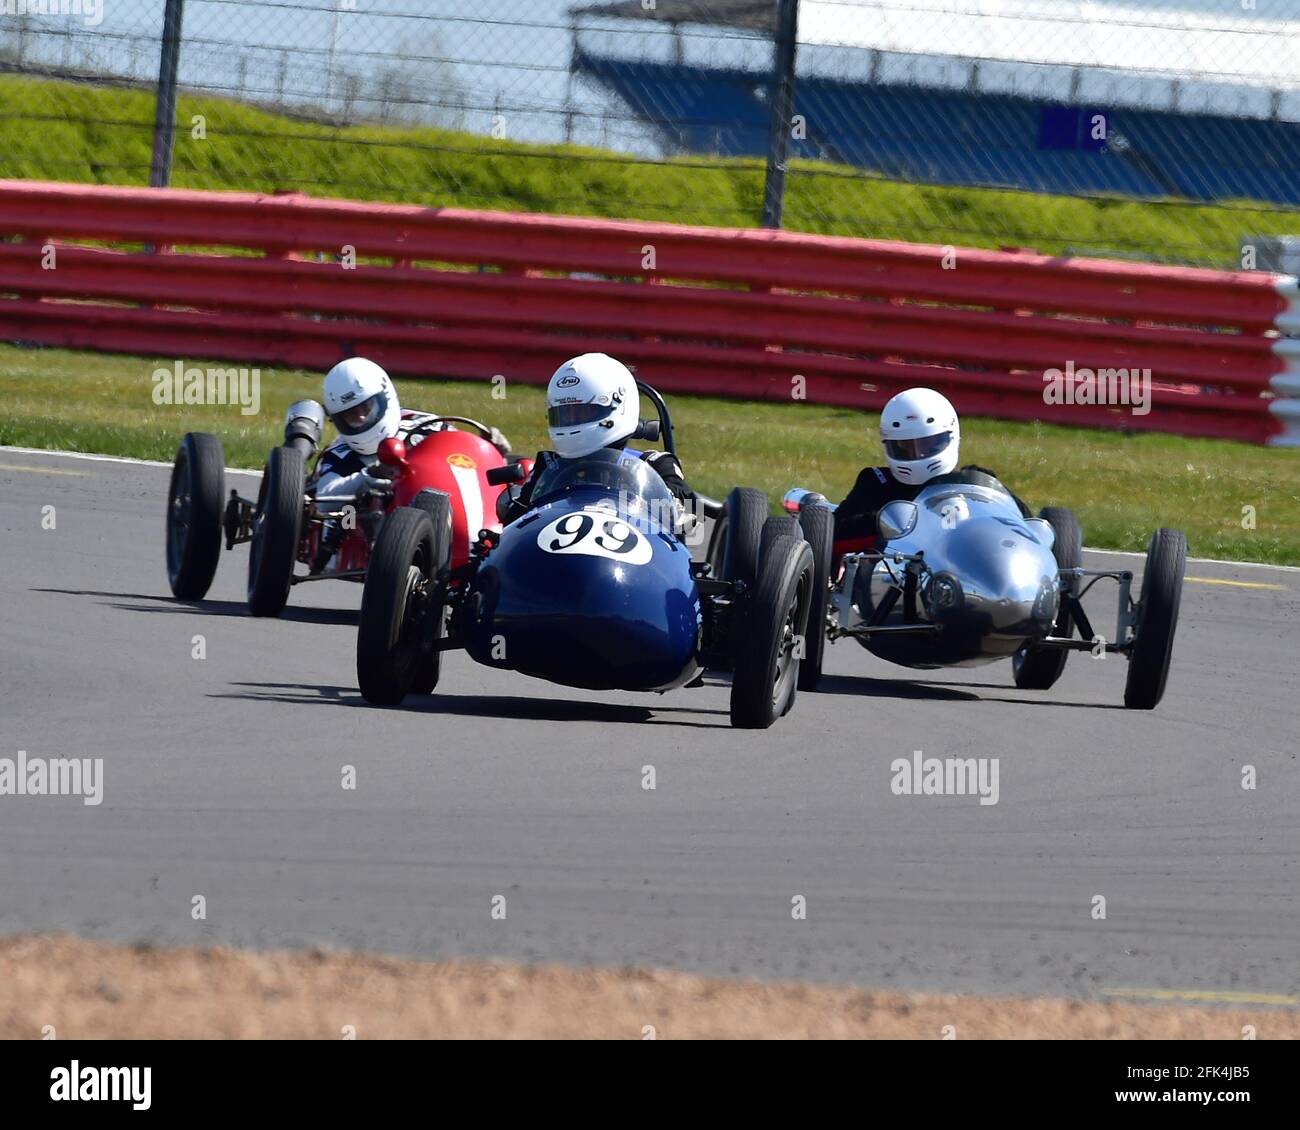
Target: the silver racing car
(962, 579)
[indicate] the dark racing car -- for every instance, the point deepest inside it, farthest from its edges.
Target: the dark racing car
(593, 587)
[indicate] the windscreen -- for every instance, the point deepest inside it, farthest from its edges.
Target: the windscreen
(618, 473)
(967, 500)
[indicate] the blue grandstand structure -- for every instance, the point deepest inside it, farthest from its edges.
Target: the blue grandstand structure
(940, 136)
(957, 133)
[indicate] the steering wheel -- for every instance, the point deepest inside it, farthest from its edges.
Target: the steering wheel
(665, 417)
(483, 429)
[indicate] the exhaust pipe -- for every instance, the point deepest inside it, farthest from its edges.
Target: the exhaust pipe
(304, 424)
(797, 498)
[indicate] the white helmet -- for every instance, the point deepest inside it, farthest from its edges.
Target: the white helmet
(591, 402)
(361, 401)
(921, 434)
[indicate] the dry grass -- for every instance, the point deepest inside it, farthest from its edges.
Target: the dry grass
(92, 990)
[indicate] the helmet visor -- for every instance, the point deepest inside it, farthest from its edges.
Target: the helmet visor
(574, 415)
(925, 447)
(362, 416)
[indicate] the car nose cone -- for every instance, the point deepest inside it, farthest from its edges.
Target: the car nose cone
(1008, 578)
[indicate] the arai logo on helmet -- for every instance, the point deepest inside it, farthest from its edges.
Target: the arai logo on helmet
(569, 381)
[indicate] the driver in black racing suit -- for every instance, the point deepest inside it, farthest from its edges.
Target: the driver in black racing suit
(921, 436)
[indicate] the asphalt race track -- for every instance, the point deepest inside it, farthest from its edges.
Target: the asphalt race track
(222, 779)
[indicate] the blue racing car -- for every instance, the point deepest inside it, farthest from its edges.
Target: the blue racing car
(595, 587)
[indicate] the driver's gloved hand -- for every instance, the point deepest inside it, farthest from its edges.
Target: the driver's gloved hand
(669, 468)
(381, 471)
(509, 507)
(375, 485)
(498, 440)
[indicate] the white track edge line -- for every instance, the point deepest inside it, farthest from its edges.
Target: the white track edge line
(1202, 560)
(109, 458)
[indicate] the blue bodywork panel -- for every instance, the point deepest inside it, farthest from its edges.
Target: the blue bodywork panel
(591, 588)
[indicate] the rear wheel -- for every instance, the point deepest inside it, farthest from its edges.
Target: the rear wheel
(1038, 668)
(766, 675)
(717, 530)
(1153, 643)
(277, 526)
(195, 498)
(401, 610)
(775, 527)
(437, 506)
(818, 526)
(746, 513)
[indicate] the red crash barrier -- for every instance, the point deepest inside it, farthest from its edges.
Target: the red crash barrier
(748, 313)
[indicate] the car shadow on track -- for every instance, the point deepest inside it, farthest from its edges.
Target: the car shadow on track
(944, 692)
(1011, 694)
(863, 687)
(337, 616)
(479, 706)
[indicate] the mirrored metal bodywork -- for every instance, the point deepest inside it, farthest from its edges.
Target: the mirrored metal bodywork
(969, 583)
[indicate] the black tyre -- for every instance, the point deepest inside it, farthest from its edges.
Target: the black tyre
(401, 610)
(437, 506)
(818, 526)
(277, 526)
(1038, 668)
(1153, 644)
(746, 513)
(717, 551)
(195, 499)
(766, 676)
(779, 525)
(714, 514)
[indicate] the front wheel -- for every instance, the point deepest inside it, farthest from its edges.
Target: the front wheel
(437, 506)
(401, 610)
(277, 526)
(766, 674)
(195, 497)
(1153, 642)
(1038, 668)
(818, 526)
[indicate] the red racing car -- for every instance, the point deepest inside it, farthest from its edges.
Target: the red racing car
(287, 526)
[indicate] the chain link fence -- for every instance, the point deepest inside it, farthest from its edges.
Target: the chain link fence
(1165, 129)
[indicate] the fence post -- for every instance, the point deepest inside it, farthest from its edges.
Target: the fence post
(782, 102)
(164, 122)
